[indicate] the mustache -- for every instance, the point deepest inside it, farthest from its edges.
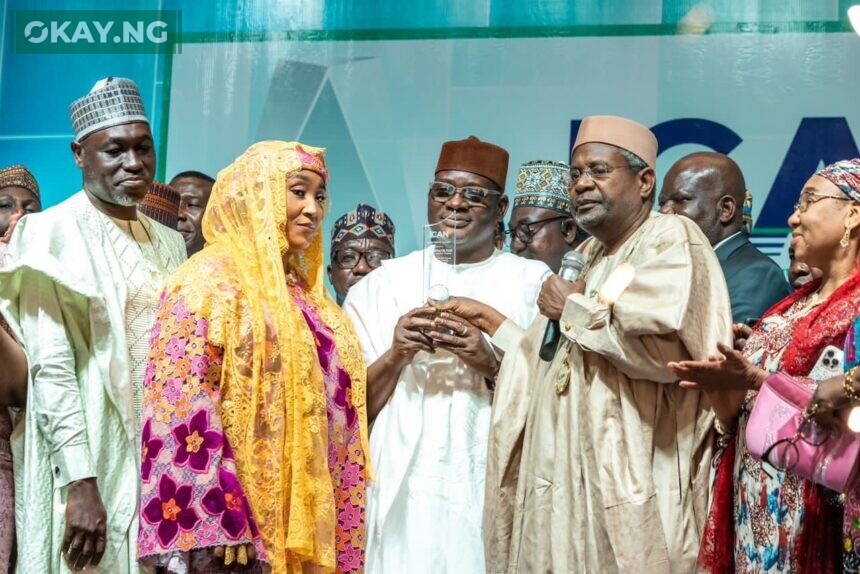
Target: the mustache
(586, 199)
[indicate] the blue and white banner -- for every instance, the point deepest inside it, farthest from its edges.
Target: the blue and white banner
(781, 105)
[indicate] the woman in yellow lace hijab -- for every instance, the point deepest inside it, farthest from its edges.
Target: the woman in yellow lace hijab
(254, 431)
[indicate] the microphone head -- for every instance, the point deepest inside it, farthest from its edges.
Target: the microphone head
(573, 260)
(571, 265)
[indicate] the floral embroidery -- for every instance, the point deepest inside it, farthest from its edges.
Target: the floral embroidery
(152, 390)
(173, 389)
(851, 518)
(151, 448)
(346, 459)
(194, 440)
(350, 517)
(147, 546)
(199, 365)
(193, 498)
(357, 498)
(227, 501)
(207, 535)
(352, 475)
(170, 511)
(352, 560)
(186, 424)
(175, 349)
(180, 311)
(186, 541)
(182, 407)
(149, 372)
(163, 410)
(201, 329)
(325, 344)
(341, 397)
(182, 367)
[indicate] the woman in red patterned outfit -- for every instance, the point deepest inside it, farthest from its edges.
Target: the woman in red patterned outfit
(765, 519)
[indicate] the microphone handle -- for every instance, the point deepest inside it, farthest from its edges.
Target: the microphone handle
(552, 335)
(550, 341)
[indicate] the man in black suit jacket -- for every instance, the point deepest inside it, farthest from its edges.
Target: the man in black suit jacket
(709, 188)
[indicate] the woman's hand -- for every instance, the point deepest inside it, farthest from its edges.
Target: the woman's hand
(482, 316)
(729, 371)
(831, 400)
(239, 558)
(741, 333)
(725, 378)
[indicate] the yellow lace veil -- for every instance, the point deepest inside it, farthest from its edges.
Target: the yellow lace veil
(273, 402)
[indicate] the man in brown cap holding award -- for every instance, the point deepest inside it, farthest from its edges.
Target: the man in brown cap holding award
(80, 294)
(605, 469)
(430, 378)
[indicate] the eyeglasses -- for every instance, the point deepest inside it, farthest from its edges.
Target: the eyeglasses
(784, 455)
(595, 172)
(525, 232)
(349, 258)
(805, 200)
(442, 192)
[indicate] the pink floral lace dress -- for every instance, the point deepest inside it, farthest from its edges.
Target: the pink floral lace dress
(191, 499)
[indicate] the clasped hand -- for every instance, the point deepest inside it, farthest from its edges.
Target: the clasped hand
(426, 329)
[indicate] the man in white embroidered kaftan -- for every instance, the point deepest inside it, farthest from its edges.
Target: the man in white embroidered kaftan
(80, 291)
(430, 378)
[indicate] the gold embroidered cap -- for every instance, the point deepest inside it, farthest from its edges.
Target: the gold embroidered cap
(19, 176)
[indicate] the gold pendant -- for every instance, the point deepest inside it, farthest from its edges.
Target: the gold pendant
(562, 379)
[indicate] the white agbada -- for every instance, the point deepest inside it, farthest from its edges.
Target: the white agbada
(79, 292)
(429, 443)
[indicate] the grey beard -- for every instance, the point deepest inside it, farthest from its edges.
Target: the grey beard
(116, 198)
(592, 218)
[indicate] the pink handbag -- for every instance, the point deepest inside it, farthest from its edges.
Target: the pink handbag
(775, 419)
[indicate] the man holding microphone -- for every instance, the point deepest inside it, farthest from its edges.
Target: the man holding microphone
(598, 460)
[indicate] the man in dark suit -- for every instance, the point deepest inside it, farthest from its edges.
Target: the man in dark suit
(709, 188)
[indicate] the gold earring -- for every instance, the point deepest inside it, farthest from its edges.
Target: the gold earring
(845, 238)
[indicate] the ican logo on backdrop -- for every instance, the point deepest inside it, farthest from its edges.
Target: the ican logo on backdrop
(817, 141)
(96, 31)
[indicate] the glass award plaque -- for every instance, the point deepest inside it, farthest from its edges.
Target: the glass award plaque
(440, 258)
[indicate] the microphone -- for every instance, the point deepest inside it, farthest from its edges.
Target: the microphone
(571, 266)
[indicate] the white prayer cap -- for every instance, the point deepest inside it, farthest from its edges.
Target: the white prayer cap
(111, 102)
(620, 132)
